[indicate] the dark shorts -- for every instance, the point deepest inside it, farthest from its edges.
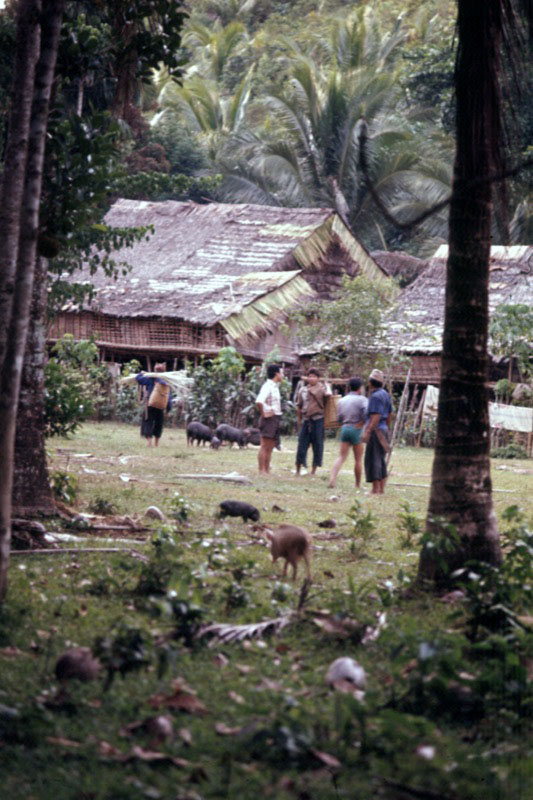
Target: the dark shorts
(351, 434)
(269, 427)
(153, 424)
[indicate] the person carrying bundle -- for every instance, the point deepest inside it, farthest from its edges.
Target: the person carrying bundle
(158, 400)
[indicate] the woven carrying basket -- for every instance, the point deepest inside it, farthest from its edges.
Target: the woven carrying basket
(330, 411)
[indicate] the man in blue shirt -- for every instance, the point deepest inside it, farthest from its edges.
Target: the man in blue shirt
(376, 435)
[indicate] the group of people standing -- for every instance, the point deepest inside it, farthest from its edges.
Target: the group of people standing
(364, 421)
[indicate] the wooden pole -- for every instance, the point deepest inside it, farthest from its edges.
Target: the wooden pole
(420, 417)
(399, 419)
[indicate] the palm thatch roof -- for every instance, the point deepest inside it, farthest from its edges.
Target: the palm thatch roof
(422, 303)
(206, 263)
(399, 265)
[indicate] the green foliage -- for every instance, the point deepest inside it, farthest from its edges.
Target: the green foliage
(180, 508)
(363, 527)
(76, 386)
(224, 392)
(127, 651)
(219, 391)
(410, 525)
(158, 186)
(411, 430)
(510, 333)
(127, 407)
(235, 595)
(184, 151)
(103, 506)
(439, 542)
(64, 485)
(184, 614)
(352, 326)
(498, 596)
(511, 450)
(442, 716)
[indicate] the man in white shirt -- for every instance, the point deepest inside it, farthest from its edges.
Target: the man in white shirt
(268, 402)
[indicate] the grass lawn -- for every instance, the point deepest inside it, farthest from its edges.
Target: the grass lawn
(444, 716)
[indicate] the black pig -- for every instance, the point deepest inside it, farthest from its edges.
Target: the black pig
(252, 436)
(236, 508)
(226, 433)
(199, 433)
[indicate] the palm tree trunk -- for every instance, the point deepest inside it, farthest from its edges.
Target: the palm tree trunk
(32, 494)
(12, 183)
(45, 49)
(461, 489)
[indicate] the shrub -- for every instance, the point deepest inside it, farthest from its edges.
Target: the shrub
(363, 527)
(410, 525)
(180, 508)
(64, 486)
(102, 506)
(76, 386)
(509, 451)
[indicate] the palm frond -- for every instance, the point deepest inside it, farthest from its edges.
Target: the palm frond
(230, 634)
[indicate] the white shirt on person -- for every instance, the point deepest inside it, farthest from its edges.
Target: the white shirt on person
(270, 399)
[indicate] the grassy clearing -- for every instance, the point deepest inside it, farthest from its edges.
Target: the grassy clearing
(270, 695)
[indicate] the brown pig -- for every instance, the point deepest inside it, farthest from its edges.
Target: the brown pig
(292, 544)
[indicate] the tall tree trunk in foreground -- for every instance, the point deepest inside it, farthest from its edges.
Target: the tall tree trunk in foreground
(461, 488)
(45, 39)
(31, 487)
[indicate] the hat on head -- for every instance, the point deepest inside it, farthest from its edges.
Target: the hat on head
(376, 375)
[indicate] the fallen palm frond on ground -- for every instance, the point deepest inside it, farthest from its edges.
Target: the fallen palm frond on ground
(220, 632)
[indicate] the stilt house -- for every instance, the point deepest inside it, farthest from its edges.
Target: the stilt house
(422, 305)
(213, 275)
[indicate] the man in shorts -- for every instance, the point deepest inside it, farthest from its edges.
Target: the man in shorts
(351, 413)
(268, 402)
(376, 434)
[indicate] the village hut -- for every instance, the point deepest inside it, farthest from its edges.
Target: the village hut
(422, 307)
(213, 275)
(403, 267)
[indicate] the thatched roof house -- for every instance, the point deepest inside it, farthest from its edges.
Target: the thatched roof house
(401, 266)
(422, 304)
(212, 275)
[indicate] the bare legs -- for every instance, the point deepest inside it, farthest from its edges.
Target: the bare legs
(265, 454)
(358, 469)
(358, 456)
(378, 487)
(343, 453)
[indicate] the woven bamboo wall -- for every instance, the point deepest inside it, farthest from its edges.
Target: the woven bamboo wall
(125, 333)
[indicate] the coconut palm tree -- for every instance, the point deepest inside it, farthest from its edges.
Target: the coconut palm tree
(461, 489)
(205, 110)
(216, 44)
(307, 152)
(226, 11)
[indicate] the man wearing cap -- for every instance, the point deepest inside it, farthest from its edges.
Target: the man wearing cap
(376, 433)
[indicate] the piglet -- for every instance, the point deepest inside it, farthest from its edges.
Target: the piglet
(292, 544)
(237, 508)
